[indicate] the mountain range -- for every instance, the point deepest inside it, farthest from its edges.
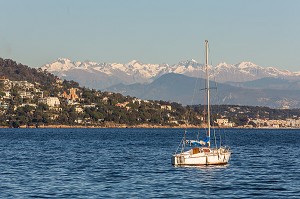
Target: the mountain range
(104, 75)
(187, 90)
(244, 83)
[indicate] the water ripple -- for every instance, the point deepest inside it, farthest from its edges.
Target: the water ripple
(135, 163)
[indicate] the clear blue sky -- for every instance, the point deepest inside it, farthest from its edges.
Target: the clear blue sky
(266, 32)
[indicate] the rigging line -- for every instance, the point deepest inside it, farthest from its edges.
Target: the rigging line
(218, 106)
(212, 120)
(220, 139)
(213, 75)
(215, 138)
(224, 136)
(218, 102)
(218, 99)
(180, 144)
(183, 141)
(194, 93)
(217, 93)
(198, 135)
(204, 96)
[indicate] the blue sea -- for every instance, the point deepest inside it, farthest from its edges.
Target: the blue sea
(136, 163)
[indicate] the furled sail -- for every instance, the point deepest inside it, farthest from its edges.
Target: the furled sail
(198, 143)
(207, 139)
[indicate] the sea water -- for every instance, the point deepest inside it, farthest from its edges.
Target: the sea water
(136, 163)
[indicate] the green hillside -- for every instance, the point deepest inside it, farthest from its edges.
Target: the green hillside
(33, 98)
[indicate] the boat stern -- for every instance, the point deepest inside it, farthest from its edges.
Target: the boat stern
(174, 160)
(178, 159)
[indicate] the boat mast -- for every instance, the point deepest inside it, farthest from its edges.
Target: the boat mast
(207, 91)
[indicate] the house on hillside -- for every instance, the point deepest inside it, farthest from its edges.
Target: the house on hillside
(50, 101)
(122, 105)
(224, 123)
(7, 95)
(22, 84)
(72, 94)
(25, 94)
(166, 107)
(79, 109)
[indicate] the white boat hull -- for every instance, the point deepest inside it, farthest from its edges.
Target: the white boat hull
(202, 156)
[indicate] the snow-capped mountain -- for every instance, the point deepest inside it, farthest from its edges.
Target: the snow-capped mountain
(247, 71)
(103, 75)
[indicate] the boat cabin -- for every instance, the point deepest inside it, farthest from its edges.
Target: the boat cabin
(200, 150)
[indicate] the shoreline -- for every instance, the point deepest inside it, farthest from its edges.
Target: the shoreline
(103, 126)
(145, 126)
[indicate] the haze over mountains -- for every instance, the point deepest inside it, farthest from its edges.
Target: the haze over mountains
(187, 90)
(244, 83)
(103, 75)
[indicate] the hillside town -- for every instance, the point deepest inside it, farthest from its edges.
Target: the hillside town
(25, 104)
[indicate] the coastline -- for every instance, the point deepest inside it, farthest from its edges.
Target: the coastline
(105, 126)
(62, 126)
(112, 126)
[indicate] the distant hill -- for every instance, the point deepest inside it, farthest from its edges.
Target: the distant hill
(18, 72)
(181, 89)
(269, 83)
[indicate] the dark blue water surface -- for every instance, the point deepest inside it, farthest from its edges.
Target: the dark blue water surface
(135, 163)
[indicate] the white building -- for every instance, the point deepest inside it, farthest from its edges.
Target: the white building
(22, 84)
(50, 101)
(7, 94)
(224, 123)
(166, 107)
(24, 94)
(79, 110)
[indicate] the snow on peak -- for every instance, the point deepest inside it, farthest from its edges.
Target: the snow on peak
(133, 62)
(63, 60)
(92, 63)
(223, 65)
(61, 64)
(243, 65)
(141, 71)
(188, 63)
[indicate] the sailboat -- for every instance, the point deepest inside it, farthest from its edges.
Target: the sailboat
(201, 152)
